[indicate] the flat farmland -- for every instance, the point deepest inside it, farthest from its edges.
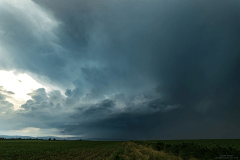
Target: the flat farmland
(49, 150)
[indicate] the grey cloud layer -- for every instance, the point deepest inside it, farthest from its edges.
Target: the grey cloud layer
(179, 55)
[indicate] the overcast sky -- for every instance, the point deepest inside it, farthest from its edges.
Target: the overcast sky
(130, 69)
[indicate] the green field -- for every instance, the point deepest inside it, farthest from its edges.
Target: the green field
(120, 150)
(49, 150)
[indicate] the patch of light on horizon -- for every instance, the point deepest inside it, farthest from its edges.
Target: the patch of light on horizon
(36, 132)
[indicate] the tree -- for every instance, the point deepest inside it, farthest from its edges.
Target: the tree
(54, 139)
(49, 139)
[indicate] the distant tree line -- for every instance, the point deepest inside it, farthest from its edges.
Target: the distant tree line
(49, 139)
(2, 138)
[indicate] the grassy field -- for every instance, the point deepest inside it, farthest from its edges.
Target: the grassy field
(209, 149)
(132, 151)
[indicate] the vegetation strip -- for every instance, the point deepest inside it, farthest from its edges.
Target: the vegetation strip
(131, 151)
(199, 149)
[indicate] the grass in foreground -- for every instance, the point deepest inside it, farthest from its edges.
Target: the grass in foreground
(132, 151)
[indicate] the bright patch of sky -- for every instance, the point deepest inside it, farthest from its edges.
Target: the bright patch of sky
(36, 132)
(21, 85)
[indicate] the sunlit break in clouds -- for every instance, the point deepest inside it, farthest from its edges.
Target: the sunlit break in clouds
(120, 69)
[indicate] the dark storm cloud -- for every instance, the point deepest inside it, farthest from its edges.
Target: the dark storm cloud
(140, 69)
(189, 51)
(98, 110)
(105, 118)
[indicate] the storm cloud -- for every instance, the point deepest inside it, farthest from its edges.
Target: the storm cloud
(157, 69)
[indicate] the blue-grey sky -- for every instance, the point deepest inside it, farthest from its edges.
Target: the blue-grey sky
(126, 69)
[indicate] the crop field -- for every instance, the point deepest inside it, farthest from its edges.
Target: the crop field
(78, 150)
(50, 150)
(120, 150)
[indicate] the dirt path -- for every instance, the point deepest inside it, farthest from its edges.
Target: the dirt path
(139, 152)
